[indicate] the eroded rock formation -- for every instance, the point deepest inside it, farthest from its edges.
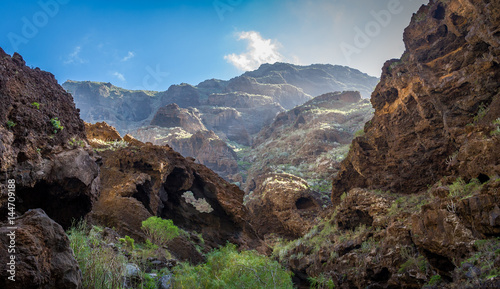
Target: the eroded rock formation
(142, 180)
(43, 145)
(43, 257)
(434, 107)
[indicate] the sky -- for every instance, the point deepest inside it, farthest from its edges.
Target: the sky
(153, 44)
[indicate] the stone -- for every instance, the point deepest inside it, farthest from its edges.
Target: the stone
(43, 256)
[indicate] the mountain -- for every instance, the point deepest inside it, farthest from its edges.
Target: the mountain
(415, 204)
(236, 108)
(308, 141)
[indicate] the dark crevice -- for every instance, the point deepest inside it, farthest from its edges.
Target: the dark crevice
(483, 178)
(62, 205)
(439, 13)
(304, 204)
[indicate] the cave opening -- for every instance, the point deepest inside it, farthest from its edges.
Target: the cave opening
(305, 204)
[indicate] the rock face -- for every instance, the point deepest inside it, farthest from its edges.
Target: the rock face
(233, 108)
(435, 107)
(142, 180)
(328, 123)
(173, 116)
(121, 108)
(204, 146)
(283, 204)
(43, 145)
(43, 257)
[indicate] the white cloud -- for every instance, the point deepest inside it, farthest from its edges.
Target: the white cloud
(74, 57)
(119, 76)
(129, 56)
(259, 51)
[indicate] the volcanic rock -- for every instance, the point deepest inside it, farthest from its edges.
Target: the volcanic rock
(437, 103)
(43, 256)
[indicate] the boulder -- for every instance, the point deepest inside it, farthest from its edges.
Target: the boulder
(43, 256)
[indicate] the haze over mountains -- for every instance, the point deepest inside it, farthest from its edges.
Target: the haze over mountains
(261, 93)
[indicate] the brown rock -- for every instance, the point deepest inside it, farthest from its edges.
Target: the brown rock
(102, 131)
(283, 204)
(43, 257)
(143, 180)
(172, 115)
(43, 144)
(445, 80)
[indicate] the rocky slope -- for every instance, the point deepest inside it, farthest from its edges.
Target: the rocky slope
(308, 141)
(435, 107)
(249, 101)
(183, 130)
(42, 145)
(151, 180)
(416, 200)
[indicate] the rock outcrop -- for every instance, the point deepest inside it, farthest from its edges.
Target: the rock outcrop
(43, 145)
(142, 180)
(328, 123)
(172, 115)
(43, 257)
(435, 107)
(283, 204)
(204, 146)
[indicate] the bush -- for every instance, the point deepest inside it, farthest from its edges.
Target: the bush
(160, 231)
(11, 124)
(56, 123)
(101, 267)
(227, 268)
(128, 242)
(36, 104)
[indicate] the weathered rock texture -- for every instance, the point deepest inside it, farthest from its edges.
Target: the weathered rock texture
(283, 204)
(142, 180)
(172, 115)
(43, 257)
(52, 167)
(233, 108)
(434, 107)
(309, 140)
(204, 146)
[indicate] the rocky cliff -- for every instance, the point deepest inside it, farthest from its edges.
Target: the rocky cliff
(308, 141)
(255, 96)
(416, 200)
(437, 107)
(142, 180)
(43, 145)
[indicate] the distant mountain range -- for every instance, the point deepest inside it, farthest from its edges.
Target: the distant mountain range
(254, 98)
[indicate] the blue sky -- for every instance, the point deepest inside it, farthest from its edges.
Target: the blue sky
(153, 44)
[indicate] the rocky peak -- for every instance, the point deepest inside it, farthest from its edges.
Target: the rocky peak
(43, 145)
(172, 115)
(434, 107)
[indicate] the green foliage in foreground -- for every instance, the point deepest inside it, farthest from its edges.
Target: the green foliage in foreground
(160, 231)
(227, 268)
(101, 266)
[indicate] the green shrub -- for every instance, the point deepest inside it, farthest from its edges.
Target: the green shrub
(56, 123)
(462, 190)
(11, 124)
(160, 231)
(359, 133)
(101, 267)
(227, 268)
(435, 280)
(36, 104)
(127, 242)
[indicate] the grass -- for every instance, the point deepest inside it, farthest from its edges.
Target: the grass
(100, 266)
(461, 189)
(228, 268)
(480, 266)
